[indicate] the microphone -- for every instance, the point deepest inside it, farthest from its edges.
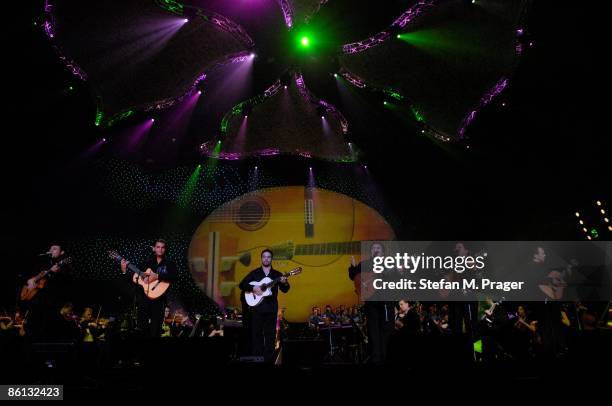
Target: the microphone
(44, 254)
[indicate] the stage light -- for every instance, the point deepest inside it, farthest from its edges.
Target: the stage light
(598, 203)
(581, 222)
(152, 120)
(305, 41)
(603, 211)
(285, 87)
(584, 229)
(103, 139)
(255, 167)
(588, 237)
(399, 36)
(310, 168)
(186, 20)
(385, 103)
(252, 55)
(607, 220)
(577, 214)
(609, 228)
(335, 75)
(199, 92)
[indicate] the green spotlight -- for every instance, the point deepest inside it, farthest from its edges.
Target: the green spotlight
(399, 36)
(305, 41)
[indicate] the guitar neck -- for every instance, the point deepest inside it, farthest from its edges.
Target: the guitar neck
(130, 266)
(329, 248)
(135, 269)
(48, 271)
(40, 277)
(277, 279)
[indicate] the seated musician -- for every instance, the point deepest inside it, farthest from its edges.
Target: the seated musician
(329, 314)
(315, 317)
(88, 326)
(407, 318)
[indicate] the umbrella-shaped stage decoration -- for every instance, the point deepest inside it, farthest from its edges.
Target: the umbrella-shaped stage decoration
(438, 62)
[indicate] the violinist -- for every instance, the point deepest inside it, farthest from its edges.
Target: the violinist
(17, 324)
(67, 327)
(526, 337)
(89, 326)
(167, 325)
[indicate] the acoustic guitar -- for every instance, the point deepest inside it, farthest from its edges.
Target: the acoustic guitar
(266, 285)
(36, 283)
(152, 290)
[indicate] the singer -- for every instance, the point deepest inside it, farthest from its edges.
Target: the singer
(44, 307)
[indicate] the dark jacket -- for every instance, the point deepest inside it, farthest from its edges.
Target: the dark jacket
(270, 303)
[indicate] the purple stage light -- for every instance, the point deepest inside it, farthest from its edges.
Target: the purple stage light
(401, 22)
(486, 99)
(287, 12)
(329, 108)
(353, 79)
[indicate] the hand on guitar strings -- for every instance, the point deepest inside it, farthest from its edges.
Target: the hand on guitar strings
(124, 264)
(257, 290)
(151, 276)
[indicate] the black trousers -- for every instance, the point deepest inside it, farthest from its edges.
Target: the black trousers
(380, 324)
(263, 334)
(150, 315)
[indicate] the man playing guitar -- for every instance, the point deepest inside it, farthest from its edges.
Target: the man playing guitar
(151, 311)
(45, 292)
(263, 316)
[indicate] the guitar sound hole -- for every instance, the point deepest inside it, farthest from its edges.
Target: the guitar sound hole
(253, 214)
